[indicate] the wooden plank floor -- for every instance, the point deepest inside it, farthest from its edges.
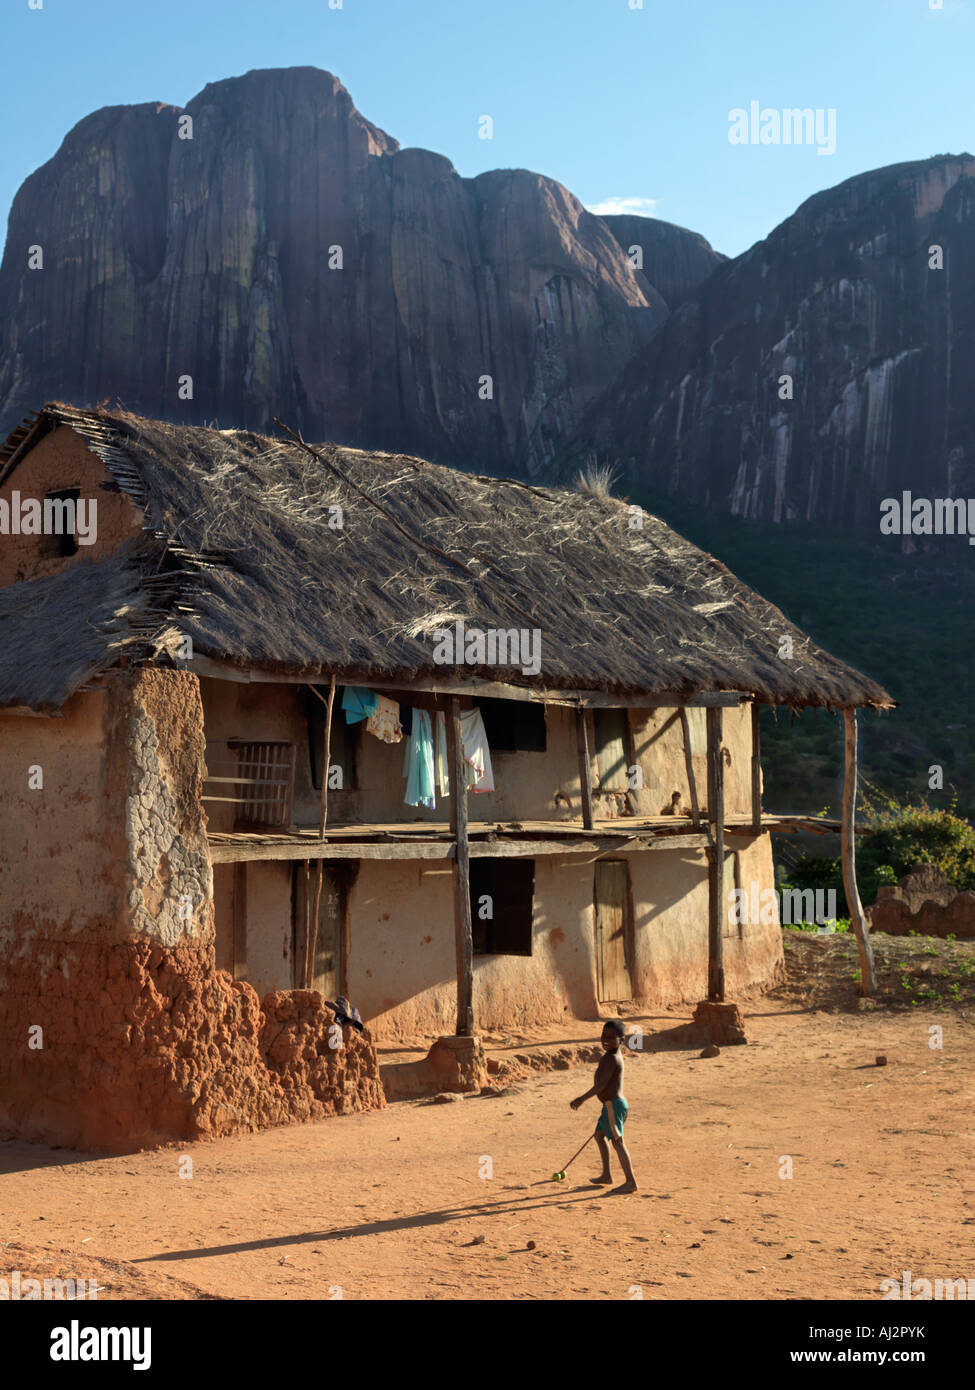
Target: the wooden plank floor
(427, 839)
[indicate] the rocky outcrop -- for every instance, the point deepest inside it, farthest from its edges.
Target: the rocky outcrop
(842, 309)
(268, 251)
(675, 260)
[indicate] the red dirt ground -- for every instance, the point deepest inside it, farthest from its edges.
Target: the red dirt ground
(390, 1204)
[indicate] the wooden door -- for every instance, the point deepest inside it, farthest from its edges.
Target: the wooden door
(614, 931)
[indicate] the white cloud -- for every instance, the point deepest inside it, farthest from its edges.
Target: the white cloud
(613, 207)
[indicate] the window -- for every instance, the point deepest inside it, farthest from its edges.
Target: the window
(513, 726)
(63, 513)
(612, 730)
(502, 892)
(345, 739)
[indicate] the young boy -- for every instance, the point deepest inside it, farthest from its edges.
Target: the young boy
(608, 1086)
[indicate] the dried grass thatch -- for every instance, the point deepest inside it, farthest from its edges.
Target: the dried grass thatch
(623, 610)
(60, 632)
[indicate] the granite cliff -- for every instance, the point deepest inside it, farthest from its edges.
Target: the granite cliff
(287, 256)
(828, 367)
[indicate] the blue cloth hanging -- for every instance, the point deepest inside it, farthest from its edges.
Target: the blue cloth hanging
(358, 703)
(418, 762)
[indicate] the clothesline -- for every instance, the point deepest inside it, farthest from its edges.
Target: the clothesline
(425, 767)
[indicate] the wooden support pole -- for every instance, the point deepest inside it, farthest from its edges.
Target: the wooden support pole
(858, 918)
(717, 907)
(346, 943)
(689, 768)
(756, 773)
(301, 975)
(585, 774)
(326, 755)
(313, 932)
(463, 928)
(240, 921)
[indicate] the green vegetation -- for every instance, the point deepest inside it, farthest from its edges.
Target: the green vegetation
(900, 837)
(912, 972)
(902, 619)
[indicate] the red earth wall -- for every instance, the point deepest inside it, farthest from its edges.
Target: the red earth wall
(143, 1045)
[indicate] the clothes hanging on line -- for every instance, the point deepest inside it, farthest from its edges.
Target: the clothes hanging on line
(384, 721)
(443, 761)
(358, 703)
(418, 762)
(478, 773)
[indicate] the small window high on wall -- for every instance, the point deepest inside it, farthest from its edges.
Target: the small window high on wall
(502, 893)
(66, 501)
(513, 726)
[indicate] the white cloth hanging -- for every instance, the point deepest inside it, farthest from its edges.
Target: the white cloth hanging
(479, 774)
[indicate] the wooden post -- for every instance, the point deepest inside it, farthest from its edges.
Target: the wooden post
(585, 774)
(346, 944)
(240, 921)
(323, 813)
(301, 972)
(313, 930)
(756, 773)
(689, 767)
(717, 907)
(858, 918)
(463, 929)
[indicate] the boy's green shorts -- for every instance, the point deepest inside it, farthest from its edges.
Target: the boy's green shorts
(620, 1112)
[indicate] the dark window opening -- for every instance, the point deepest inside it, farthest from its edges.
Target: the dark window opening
(612, 730)
(502, 893)
(66, 543)
(513, 726)
(345, 740)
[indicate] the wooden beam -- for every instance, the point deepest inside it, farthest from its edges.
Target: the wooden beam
(606, 844)
(716, 904)
(689, 769)
(244, 852)
(756, 772)
(326, 757)
(477, 849)
(858, 918)
(499, 690)
(463, 927)
(585, 771)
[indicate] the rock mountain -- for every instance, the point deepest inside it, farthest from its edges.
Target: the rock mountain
(292, 260)
(865, 300)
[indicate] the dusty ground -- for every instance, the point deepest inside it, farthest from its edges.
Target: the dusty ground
(400, 1203)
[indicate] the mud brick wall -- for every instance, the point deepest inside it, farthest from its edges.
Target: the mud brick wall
(145, 1045)
(106, 945)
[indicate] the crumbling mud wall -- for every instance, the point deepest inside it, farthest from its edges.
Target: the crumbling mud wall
(116, 1030)
(145, 1045)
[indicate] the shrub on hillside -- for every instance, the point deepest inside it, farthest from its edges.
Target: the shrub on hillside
(900, 837)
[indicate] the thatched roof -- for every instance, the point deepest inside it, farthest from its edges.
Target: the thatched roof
(59, 632)
(241, 524)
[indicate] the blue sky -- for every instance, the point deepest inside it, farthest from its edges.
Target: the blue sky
(617, 103)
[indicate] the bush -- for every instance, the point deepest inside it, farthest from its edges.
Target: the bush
(900, 837)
